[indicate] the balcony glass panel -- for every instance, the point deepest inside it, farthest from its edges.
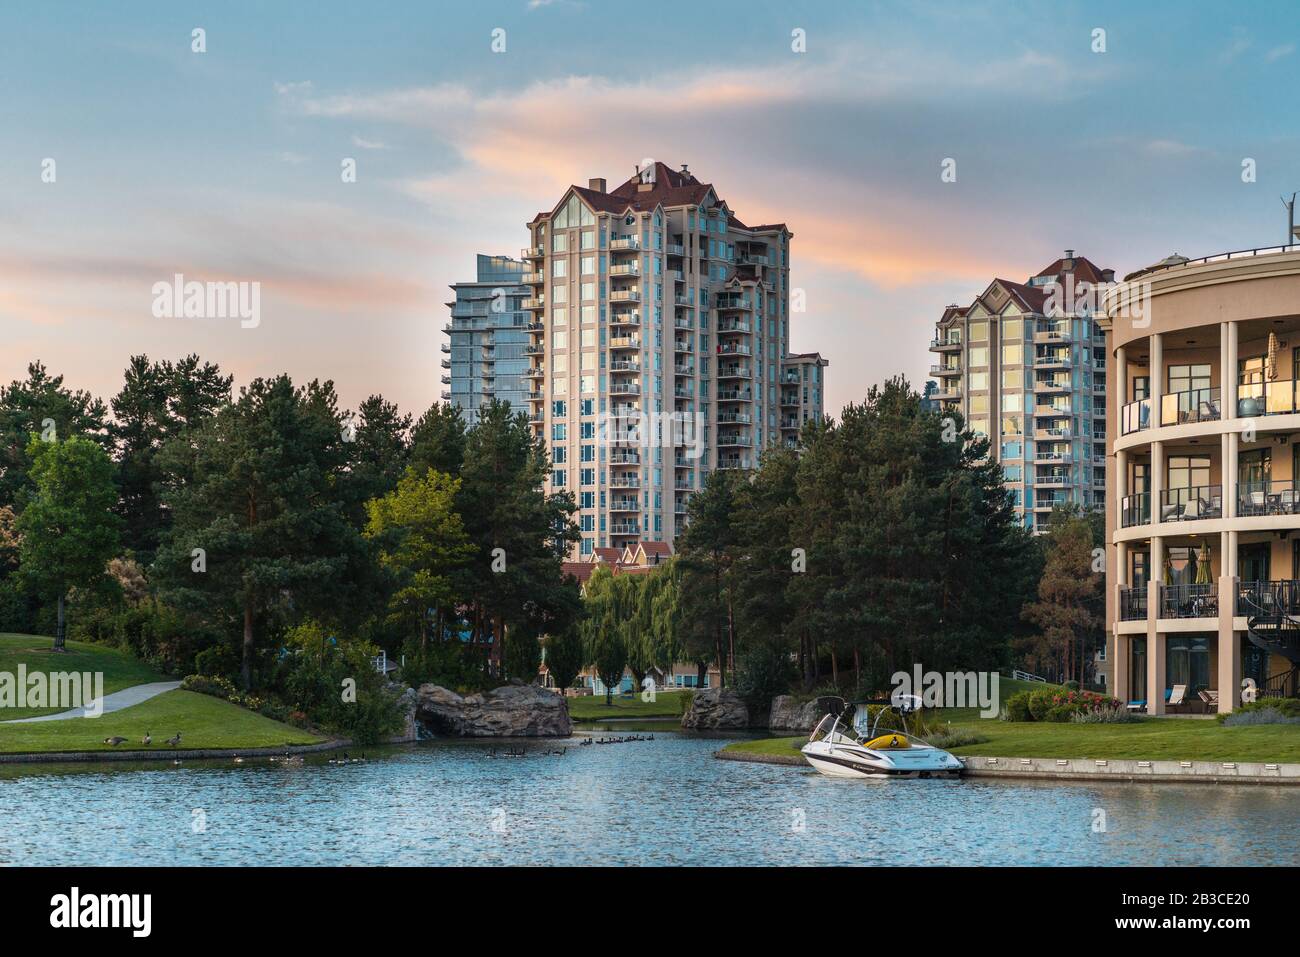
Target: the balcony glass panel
(1188, 504)
(1267, 398)
(1194, 405)
(1268, 498)
(1135, 510)
(1189, 601)
(1133, 603)
(1135, 416)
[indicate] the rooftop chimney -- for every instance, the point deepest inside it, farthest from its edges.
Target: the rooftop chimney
(685, 170)
(1069, 254)
(597, 184)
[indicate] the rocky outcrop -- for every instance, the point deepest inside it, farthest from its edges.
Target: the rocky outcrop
(511, 711)
(409, 701)
(716, 709)
(788, 714)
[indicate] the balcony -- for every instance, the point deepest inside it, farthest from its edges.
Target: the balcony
(536, 372)
(630, 480)
(624, 528)
(1054, 434)
(1052, 361)
(734, 372)
(683, 392)
(951, 344)
(1189, 504)
(624, 457)
(1194, 405)
(683, 323)
(734, 325)
(625, 319)
(533, 278)
(945, 370)
(625, 242)
(532, 252)
(1189, 601)
(625, 365)
(625, 269)
(446, 347)
(1051, 480)
(735, 395)
(681, 346)
(734, 440)
(1052, 335)
(738, 417)
(734, 349)
(1135, 510)
(683, 369)
(733, 461)
(1057, 384)
(1133, 603)
(625, 342)
(624, 505)
(1052, 457)
(675, 249)
(625, 295)
(625, 388)
(1135, 417)
(537, 303)
(1268, 498)
(726, 301)
(1268, 398)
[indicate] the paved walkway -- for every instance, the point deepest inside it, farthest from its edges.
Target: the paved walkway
(112, 702)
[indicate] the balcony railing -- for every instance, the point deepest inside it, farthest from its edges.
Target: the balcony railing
(1268, 498)
(1194, 405)
(1135, 510)
(1188, 504)
(1279, 397)
(1135, 416)
(1269, 597)
(1133, 603)
(1189, 601)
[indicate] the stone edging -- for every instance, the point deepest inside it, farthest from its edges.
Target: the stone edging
(60, 757)
(1088, 769)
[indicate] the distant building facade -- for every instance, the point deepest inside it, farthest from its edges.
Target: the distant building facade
(486, 357)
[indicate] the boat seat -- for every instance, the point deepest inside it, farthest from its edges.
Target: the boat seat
(885, 742)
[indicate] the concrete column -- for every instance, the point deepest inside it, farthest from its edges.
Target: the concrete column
(1228, 475)
(1121, 561)
(1228, 391)
(1229, 654)
(1120, 377)
(1157, 378)
(1157, 478)
(1155, 690)
(1120, 650)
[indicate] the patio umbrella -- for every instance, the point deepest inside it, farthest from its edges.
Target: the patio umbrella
(1272, 355)
(1203, 565)
(1169, 571)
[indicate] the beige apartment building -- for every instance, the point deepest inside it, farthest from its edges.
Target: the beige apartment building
(1203, 481)
(1024, 364)
(659, 342)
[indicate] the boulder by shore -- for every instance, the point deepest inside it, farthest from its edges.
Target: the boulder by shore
(716, 709)
(511, 711)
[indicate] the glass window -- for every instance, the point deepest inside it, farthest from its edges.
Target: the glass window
(1013, 355)
(979, 356)
(1186, 378)
(1188, 471)
(1013, 401)
(979, 403)
(1013, 378)
(558, 267)
(979, 331)
(979, 381)
(1012, 329)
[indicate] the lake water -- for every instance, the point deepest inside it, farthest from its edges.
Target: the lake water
(660, 802)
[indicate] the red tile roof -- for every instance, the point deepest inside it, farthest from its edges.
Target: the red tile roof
(1083, 268)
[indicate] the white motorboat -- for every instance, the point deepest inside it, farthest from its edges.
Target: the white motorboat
(850, 744)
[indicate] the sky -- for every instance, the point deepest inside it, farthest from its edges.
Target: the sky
(227, 164)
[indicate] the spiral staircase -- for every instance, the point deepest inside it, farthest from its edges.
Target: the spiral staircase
(1273, 624)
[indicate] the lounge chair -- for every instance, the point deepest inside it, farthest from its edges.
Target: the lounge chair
(1211, 699)
(1192, 509)
(1139, 705)
(1175, 698)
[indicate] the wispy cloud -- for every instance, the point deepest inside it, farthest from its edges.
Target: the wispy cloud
(1278, 52)
(365, 144)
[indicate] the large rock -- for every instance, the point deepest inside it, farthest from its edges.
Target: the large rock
(409, 700)
(512, 711)
(788, 714)
(715, 709)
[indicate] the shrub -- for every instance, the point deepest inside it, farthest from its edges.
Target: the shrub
(1112, 712)
(1040, 702)
(214, 685)
(1017, 707)
(1239, 719)
(1070, 685)
(956, 738)
(1279, 707)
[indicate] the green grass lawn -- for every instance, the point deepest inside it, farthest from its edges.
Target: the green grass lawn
(119, 668)
(593, 707)
(204, 722)
(1152, 739)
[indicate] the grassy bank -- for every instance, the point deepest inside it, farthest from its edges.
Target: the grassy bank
(203, 721)
(593, 707)
(1153, 739)
(120, 670)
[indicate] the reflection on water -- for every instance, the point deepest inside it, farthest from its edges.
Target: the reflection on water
(660, 802)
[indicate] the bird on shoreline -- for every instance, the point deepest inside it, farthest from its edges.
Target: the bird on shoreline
(147, 739)
(115, 741)
(173, 742)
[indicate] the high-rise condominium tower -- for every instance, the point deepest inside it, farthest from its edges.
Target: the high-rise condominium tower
(1025, 365)
(489, 336)
(661, 324)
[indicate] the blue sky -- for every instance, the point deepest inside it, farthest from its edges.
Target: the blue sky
(226, 164)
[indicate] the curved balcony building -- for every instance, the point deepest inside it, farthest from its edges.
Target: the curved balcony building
(1203, 480)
